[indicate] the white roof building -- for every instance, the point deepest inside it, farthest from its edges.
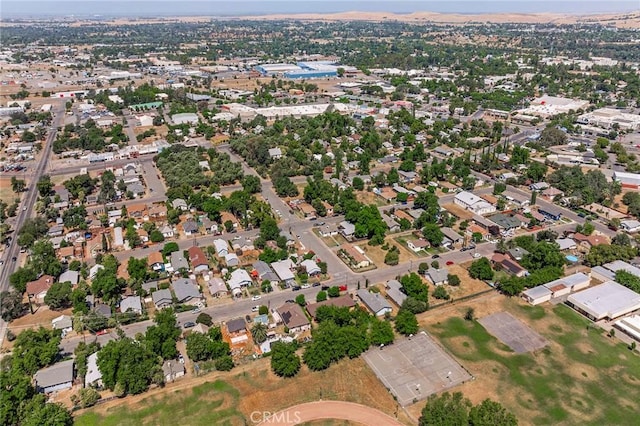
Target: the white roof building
(93, 375)
(609, 300)
(283, 269)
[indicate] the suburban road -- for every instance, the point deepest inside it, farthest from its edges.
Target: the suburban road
(28, 204)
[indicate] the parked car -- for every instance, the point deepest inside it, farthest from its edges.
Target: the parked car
(435, 256)
(256, 297)
(306, 286)
(255, 308)
(189, 324)
(195, 311)
(181, 358)
(316, 284)
(449, 262)
(295, 288)
(476, 255)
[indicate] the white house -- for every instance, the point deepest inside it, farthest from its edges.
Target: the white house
(131, 304)
(311, 267)
(93, 377)
(377, 304)
(172, 369)
(418, 245)
(221, 246)
(473, 203)
(238, 279)
(630, 226)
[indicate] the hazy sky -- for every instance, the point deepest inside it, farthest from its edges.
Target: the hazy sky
(135, 8)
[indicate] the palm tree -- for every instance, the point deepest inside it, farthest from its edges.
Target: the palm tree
(259, 332)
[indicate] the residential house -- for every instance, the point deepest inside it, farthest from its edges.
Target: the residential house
(55, 378)
(138, 211)
(588, 241)
(550, 214)
(519, 200)
(451, 238)
(356, 256)
(38, 289)
(283, 270)
(93, 376)
(156, 261)
(187, 291)
(198, 260)
(167, 231)
(209, 225)
(392, 225)
(275, 153)
(395, 293)
(402, 214)
(93, 271)
(221, 246)
(418, 245)
(517, 253)
(190, 227)
(172, 369)
(473, 203)
(158, 213)
(180, 204)
(102, 310)
(566, 244)
(237, 326)
(377, 304)
(551, 193)
(329, 230)
(263, 272)
(70, 276)
(407, 177)
(293, 317)
(64, 323)
(162, 298)
(232, 259)
(307, 210)
(501, 261)
(437, 276)
(178, 261)
(312, 267)
(347, 230)
(137, 189)
(131, 304)
(328, 207)
(238, 279)
(630, 226)
(217, 287)
(228, 217)
(337, 183)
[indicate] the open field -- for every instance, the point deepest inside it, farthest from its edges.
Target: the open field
(230, 398)
(581, 377)
(6, 194)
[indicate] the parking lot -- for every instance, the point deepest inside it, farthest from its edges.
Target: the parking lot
(512, 332)
(414, 368)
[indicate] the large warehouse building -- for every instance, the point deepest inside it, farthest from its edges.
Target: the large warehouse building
(607, 118)
(608, 301)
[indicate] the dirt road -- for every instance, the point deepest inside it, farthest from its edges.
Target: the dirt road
(320, 410)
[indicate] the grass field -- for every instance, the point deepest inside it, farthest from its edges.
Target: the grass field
(582, 377)
(206, 404)
(230, 398)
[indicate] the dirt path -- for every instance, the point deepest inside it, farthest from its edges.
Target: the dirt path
(321, 410)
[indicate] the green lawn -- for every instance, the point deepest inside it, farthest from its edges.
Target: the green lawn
(585, 379)
(208, 404)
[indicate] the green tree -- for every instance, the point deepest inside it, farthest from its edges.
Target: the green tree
(127, 367)
(453, 280)
(11, 305)
(445, 410)
(44, 185)
(38, 412)
(58, 296)
(259, 332)
(441, 293)
(414, 305)
(414, 287)
(199, 347)
(481, 269)
(284, 360)
(224, 363)
(17, 185)
(251, 184)
(433, 234)
(333, 291)
(204, 318)
(321, 296)
(406, 322)
(34, 349)
(491, 413)
(380, 332)
(300, 300)
(161, 338)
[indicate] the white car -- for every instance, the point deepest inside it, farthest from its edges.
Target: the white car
(236, 238)
(256, 297)
(195, 311)
(255, 308)
(476, 255)
(306, 286)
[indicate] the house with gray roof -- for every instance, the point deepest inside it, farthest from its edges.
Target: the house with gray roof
(178, 261)
(238, 279)
(451, 237)
(265, 272)
(282, 269)
(102, 309)
(187, 291)
(377, 304)
(55, 378)
(180, 204)
(437, 276)
(162, 298)
(131, 304)
(347, 229)
(395, 293)
(69, 276)
(237, 325)
(190, 227)
(172, 369)
(221, 246)
(217, 287)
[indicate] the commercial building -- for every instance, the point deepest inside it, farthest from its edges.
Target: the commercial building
(629, 326)
(627, 180)
(473, 203)
(609, 118)
(608, 301)
(548, 106)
